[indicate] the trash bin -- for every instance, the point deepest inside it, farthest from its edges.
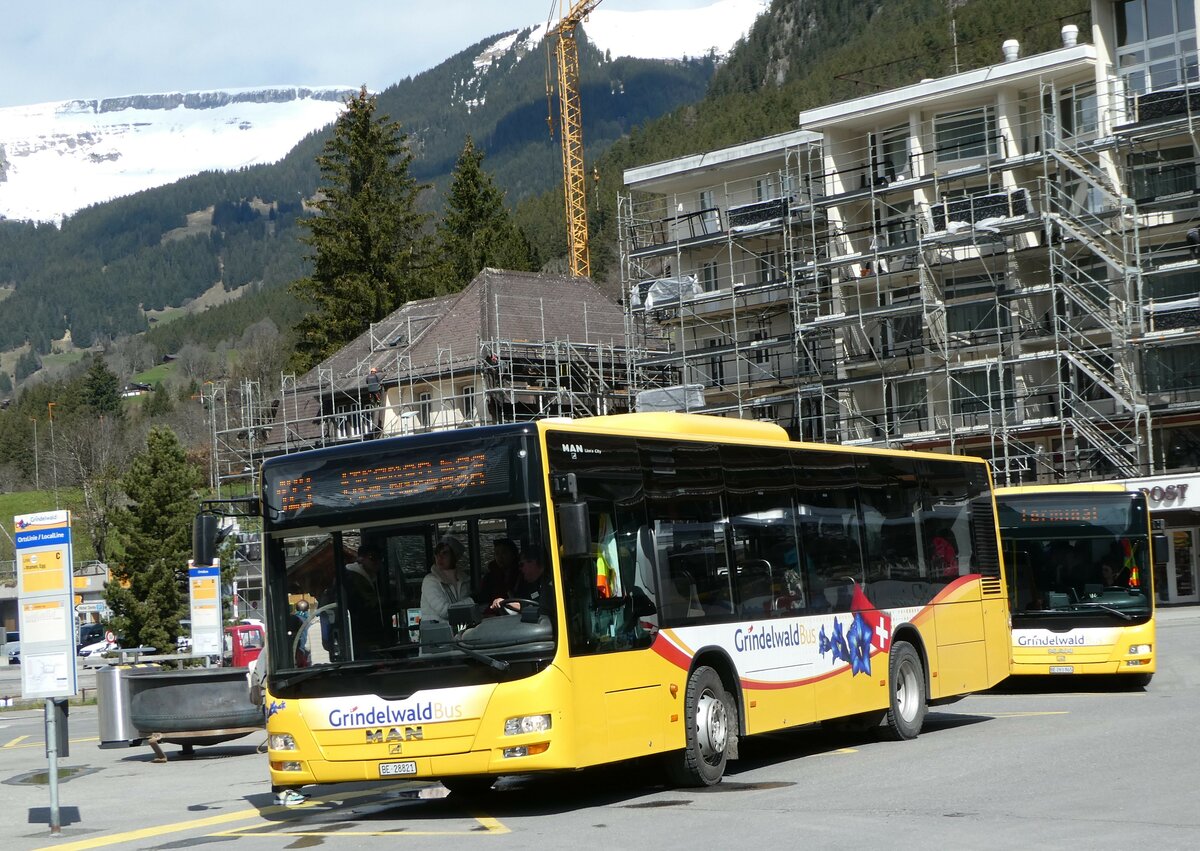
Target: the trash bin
(113, 699)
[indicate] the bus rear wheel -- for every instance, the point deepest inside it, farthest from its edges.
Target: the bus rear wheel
(907, 703)
(710, 718)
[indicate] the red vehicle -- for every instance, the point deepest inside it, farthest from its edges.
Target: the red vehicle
(243, 643)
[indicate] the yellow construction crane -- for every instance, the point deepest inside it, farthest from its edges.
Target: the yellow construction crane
(571, 126)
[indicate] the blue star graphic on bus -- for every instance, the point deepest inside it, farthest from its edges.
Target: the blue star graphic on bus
(838, 640)
(859, 637)
(823, 645)
(276, 706)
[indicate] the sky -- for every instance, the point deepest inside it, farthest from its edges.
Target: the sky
(54, 51)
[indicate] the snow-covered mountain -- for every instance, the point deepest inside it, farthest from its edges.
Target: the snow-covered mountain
(57, 158)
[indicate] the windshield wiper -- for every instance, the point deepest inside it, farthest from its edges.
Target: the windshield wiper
(1109, 609)
(336, 667)
(490, 661)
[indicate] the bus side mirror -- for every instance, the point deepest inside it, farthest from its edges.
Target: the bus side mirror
(204, 539)
(1161, 548)
(574, 535)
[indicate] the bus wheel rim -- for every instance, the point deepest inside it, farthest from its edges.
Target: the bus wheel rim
(711, 726)
(906, 691)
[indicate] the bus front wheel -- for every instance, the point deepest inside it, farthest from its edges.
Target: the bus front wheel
(710, 716)
(907, 705)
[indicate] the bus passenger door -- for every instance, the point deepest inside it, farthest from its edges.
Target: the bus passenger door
(620, 690)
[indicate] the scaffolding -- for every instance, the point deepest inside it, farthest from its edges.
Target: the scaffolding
(979, 281)
(378, 387)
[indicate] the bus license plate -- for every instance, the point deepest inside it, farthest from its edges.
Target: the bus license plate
(391, 769)
(1062, 669)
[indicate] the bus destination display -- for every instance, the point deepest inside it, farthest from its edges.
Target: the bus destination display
(337, 484)
(1116, 512)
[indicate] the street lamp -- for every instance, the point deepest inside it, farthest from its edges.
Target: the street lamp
(37, 478)
(53, 451)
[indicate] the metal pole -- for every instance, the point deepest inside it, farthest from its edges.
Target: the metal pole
(37, 477)
(52, 753)
(53, 458)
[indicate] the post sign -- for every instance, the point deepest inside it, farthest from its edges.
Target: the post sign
(204, 583)
(46, 601)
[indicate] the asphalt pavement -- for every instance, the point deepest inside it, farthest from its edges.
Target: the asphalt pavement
(1063, 763)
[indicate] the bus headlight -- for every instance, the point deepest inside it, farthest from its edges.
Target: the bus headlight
(526, 750)
(281, 742)
(1138, 649)
(527, 724)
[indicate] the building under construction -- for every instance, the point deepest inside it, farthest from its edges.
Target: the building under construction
(1001, 262)
(512, 346)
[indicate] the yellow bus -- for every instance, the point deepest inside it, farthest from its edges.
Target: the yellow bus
(703, 579)
(1080, 579)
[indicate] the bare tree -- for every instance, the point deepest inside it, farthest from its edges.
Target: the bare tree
(94, 454)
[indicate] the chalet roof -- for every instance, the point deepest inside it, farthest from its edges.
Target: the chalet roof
(437, 335)
(442, 335)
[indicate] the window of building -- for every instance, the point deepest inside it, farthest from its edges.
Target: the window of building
(978, 391)
(708, 276)
(764, 189)
(716, 363)
(1182, 283)
(1156, 43)
(897, 224)
(467, 394)
(1153, 174)
(893, 153)
(972, 307)
(966, 134)
(910, 403)
(708, 211)
(425, 408)
(1173, 368)
(768, 267)
(1078, 111)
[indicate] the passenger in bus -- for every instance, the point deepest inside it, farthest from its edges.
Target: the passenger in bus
(445, 583)
(501, 575)
(368, 626)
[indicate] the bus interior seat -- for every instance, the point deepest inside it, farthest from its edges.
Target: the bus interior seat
(678, 597)
(755, 594)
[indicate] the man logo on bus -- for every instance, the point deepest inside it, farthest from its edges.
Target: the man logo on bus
(376, 737)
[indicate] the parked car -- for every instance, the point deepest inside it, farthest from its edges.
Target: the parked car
(12, 647)
(97, 649)
(89, 633)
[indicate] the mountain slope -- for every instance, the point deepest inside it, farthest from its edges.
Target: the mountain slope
(112, 262)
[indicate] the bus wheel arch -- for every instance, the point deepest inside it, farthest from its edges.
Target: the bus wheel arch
(719, 661)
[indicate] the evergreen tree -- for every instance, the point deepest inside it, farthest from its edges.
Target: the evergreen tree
(101, 391)
(370, 252)
(148, 592)
(477, 230)
(5, 382)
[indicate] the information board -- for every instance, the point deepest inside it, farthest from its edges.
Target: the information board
(204, 585)
(46, 601)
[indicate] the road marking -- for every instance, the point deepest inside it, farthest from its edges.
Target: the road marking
(14, 742)
(243, 815)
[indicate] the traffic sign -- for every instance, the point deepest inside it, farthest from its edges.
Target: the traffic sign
(110, 637)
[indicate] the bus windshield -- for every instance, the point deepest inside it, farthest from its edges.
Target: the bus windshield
(397, 555)
(1076, 554)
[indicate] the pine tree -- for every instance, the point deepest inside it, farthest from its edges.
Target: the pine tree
(101, 391)
(370, 252)
(147, 593)
(477, 230)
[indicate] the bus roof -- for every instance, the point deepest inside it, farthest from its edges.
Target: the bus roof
(1080, 487)
(709, 427)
